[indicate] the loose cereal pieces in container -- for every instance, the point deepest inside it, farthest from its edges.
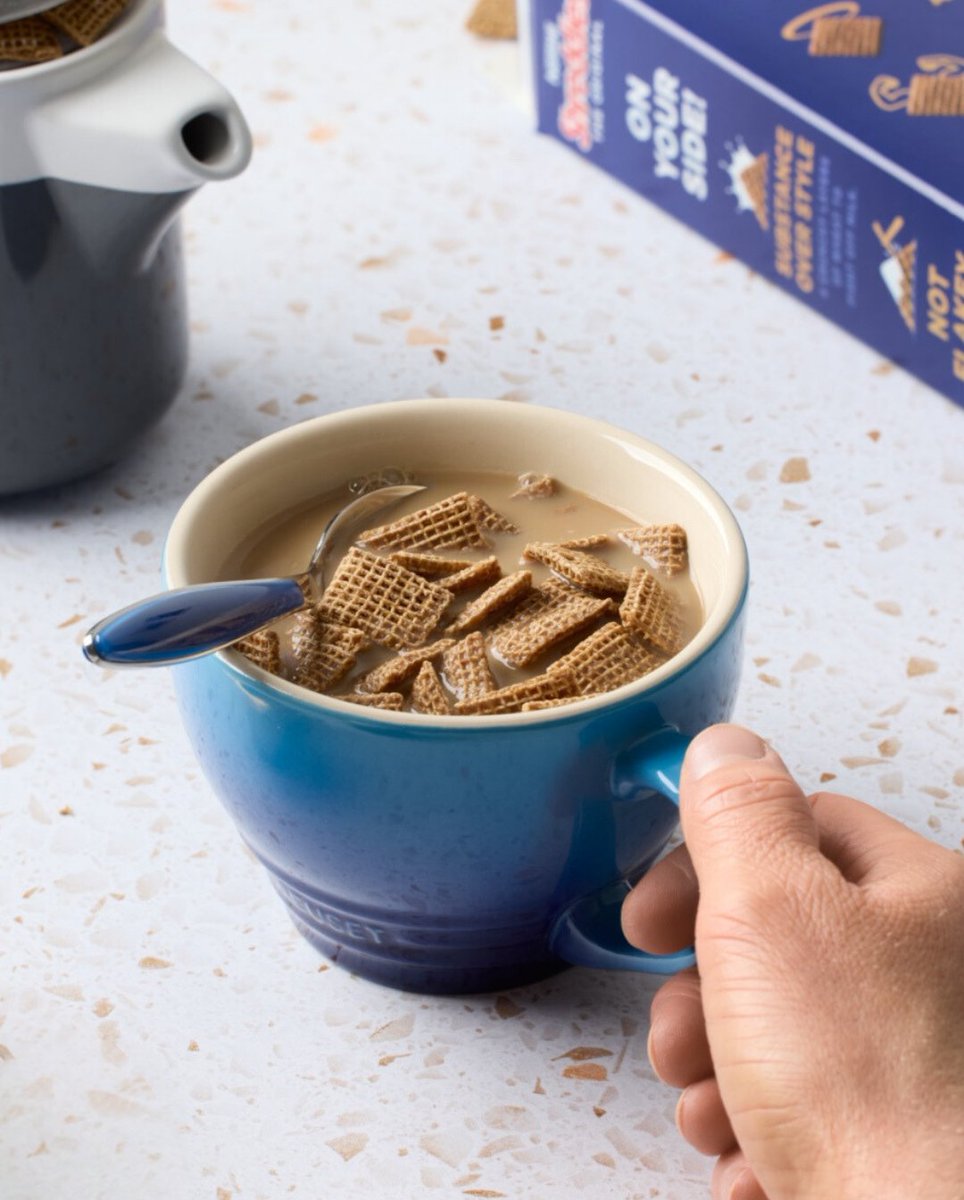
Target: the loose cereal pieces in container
(465, 667)
(449, 524)
(550, 614)
(429, 565)
(395, 607)
(606, 659)
(504, 594)
(662, 546)
(478, 574)
(85, 20)
(263, 648)
(511, 699)
(323, 652)
(390, 675)
(581, 568)
(428, 694)
(488, 518)
(29, 40)
(650, 611)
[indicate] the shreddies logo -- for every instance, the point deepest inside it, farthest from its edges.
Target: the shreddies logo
(574, 119)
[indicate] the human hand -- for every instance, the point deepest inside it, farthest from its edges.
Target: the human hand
(820, 1042)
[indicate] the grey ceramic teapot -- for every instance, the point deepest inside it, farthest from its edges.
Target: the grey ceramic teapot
(99, 149)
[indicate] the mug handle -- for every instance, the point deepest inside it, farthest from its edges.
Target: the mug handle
(588, 933)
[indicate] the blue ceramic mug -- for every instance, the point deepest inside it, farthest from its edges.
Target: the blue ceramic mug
(464, 854)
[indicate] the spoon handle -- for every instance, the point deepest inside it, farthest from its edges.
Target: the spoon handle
(188, 622)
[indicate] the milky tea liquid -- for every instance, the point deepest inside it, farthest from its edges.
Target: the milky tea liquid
(284, 546)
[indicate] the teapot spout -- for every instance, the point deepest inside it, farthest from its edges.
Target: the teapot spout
(156, 122)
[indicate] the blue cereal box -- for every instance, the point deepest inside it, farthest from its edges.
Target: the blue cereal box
(823, 146)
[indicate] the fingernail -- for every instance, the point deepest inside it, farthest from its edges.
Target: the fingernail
(744, 1187)
(721, 744)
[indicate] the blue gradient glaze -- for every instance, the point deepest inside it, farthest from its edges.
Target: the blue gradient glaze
(444, 855)
(186, 622)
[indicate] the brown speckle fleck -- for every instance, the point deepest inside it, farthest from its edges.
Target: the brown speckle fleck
(14, 755)
(795, 470)
(587, 1070)
(826, 776)
(920, 666)
(322, 133)
(65, 810)
(5, 668)
(496, 323)
(306, 398)
(889, 747)
(270, 408)
(103, 1008)
(506, 1008)
(150, 963)
(440, 355)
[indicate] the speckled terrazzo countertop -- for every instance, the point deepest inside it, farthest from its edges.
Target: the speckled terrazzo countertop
(401, 232)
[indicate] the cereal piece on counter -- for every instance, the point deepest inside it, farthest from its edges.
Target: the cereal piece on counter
(451, 523)
(392, 701)
(465, 667)
(508, 591)
(29, 40)
(488, 518)
(493, 19)
(395, 607)
(936, 96)
(263, 648)
(428, 695)
(477, 574)
(551, 613)
(581, 568)
(846, 37)
(390, 675)
(650, 611)
(533, 486)
(662, 546)
(429, 565)
(323, 653)
(511, 698)
(605, 660)
(85, 20)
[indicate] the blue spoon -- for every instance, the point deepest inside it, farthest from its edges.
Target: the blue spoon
(189, 622)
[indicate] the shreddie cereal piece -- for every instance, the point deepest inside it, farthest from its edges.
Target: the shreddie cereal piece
(493, 19)
(581, 568)
(754, 179)
(533, 486)
(389, 675)
(551, 613)
(605, 660)
(428, 695)
(450, 524)
(429, 565)
(506, 592)
(477, 574)
(936, 96)
(540, 705)
(585, 543)
(29, 40)
(512, 698)
(85, 20)
(323, 653)
(390, 700)
(465, 667)
(263, 648)
(846, 37)
(488, 518)
(662, 546)
(651, 612)
(395, 607)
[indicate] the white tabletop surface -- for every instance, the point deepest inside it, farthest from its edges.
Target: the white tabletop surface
(164, 1032)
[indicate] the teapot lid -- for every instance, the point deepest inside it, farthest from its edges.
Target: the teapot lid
(10, 10)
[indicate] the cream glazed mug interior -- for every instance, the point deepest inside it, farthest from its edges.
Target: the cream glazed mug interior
(458, 854)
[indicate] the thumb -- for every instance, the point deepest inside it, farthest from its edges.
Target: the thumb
(741, 810)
